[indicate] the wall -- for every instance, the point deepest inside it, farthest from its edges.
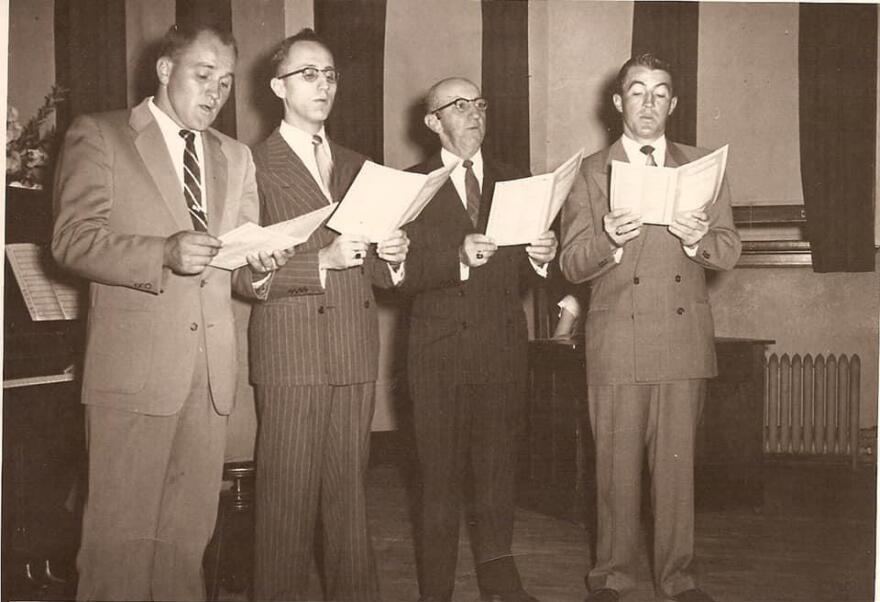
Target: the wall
(31, 58)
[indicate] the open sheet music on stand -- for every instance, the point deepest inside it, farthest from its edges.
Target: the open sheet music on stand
(525, 208)
(48, 294)
(382, 199)
(658, 193)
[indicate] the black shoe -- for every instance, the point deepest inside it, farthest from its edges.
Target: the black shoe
(519, 595)
(603, 595)
(693, 595)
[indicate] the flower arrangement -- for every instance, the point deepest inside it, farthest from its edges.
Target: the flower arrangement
(30, 148)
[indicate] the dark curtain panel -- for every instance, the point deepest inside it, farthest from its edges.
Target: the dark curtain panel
(355, 32)
(671, 31)
(838, 111)
(90, 56)
(506, 80)
(217, 13)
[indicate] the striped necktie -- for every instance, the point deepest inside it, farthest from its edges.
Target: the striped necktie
(472, 191)
(322, 157)
(192, 182)
(648, 150)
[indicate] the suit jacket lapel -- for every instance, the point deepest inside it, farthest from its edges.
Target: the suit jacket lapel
(293, 173)
(616, 152)
(151, 146)
(486, 195)
(448, 195)
(215, 181)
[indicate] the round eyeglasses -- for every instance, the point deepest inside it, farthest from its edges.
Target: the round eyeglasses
(310, 74)
(463, 104)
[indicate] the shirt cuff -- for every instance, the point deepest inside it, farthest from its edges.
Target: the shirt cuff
(618, 254)
(398, 272)
(540, 269)
(690, 250)
(322, 274)
(464, 271)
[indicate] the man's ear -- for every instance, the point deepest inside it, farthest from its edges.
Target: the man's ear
(163, 69)
(672, 104)
(433, 123)
(618, 102)
(277, 87)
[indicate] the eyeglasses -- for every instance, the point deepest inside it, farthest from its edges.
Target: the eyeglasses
(310, 74)
(461, 104)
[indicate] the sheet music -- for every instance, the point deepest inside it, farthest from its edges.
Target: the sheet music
(248, 239)
(48, 294)
(382, 199)
(658, 193)
(525, 208)
(301, 228)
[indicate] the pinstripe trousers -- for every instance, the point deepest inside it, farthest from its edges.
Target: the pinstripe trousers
(312, 453)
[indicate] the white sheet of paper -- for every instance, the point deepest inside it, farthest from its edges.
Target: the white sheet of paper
(48, 294)
(525, 208)
(247, 239)
(301, 228)
(658, 193)
(382, 199)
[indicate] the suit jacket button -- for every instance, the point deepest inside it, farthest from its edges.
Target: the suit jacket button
(193, 326)
(366, 304)
(636, 280)
(706, 254)
(507, 291)
(679, 311)
(321, 309)
(464, 325)
(461, 292)
(148, 286)
(678, 278)
(202, 284)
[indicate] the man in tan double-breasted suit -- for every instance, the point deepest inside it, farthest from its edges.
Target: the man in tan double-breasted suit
(649, 340)
(141, 197)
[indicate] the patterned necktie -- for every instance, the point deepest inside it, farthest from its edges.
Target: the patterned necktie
(325, 164)
(649, 151)
(192, 182)
(472, 191)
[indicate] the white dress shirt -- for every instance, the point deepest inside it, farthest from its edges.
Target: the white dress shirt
(176, 147)
(300, 142)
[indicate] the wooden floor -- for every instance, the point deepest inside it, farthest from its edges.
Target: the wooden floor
(812, 541)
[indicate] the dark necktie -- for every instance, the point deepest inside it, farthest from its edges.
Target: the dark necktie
(472, 191)
(325, 164)
(192, 182)
(649, 152)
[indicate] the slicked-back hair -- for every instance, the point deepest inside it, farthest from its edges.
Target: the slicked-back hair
(649, 60)
(307, 34)
(180, 36)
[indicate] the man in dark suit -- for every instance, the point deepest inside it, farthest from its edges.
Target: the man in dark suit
(467, 352)
(649, 340)
(140, 198)
(314, 349)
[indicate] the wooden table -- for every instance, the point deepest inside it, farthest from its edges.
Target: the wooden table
(557, 460)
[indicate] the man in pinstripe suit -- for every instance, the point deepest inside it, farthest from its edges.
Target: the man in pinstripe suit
(314, 349)
(467, 352)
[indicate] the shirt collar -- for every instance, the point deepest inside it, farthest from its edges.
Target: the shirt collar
(300, 140)
(635, 155)
(170, 129)
(448, 158)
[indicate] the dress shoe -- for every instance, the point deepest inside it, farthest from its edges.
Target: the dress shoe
(603, 595)
(519, 595)
(693, 595)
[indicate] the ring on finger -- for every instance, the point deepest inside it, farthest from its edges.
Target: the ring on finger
(617, 231)
(357, 255)
(479, 254)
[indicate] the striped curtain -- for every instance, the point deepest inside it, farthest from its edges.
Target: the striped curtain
(837, 68)
(355, 32)
(671, 31)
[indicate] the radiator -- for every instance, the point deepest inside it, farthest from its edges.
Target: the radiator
(811, 405)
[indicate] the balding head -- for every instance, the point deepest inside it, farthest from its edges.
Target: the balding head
(460, 127)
